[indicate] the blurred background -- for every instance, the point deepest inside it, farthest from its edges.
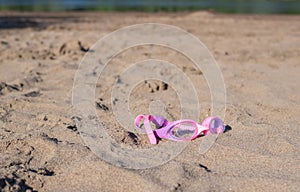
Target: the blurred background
(224, 6)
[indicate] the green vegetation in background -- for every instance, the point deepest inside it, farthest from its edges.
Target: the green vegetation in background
(224, 6)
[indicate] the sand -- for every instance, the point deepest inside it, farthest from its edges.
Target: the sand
(40, 145)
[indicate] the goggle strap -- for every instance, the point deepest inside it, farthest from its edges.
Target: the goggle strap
(159, 121)
(138, 120)
(149, 131)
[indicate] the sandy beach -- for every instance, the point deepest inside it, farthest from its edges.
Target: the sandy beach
(40, 145)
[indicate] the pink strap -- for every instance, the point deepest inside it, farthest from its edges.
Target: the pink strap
(138, 120)
(147, 125)
(149, 130)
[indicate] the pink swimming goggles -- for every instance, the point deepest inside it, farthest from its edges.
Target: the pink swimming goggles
(181, 130)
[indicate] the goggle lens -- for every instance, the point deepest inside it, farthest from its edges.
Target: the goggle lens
(216, 126)
(184, 130)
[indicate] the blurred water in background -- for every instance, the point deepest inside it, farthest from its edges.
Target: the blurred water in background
(226, 6)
